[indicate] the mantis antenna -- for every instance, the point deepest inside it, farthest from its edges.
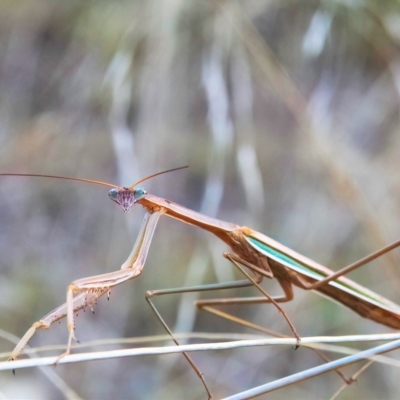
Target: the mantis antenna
(93, 181)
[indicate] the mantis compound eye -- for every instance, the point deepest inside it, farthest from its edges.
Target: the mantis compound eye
(113, 194)
(139, 193)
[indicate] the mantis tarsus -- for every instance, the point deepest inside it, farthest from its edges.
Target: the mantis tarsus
(263, 256)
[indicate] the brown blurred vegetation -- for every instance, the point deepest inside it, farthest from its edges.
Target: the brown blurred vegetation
(287, 113)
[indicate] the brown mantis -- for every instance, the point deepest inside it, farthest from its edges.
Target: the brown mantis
(263, 256)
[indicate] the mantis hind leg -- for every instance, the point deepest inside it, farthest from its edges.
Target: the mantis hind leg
(206, 305)
(351, 267)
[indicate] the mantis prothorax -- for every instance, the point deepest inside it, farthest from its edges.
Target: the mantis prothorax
(263, 256)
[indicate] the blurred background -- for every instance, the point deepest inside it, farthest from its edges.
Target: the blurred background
(287, 113)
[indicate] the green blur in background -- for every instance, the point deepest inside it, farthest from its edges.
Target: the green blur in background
(287, 113)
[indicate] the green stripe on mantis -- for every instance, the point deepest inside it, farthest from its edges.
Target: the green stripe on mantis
(318, 275)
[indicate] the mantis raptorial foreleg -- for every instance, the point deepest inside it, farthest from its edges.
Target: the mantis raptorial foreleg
(84, 292)
(130, 269)
(81, 301)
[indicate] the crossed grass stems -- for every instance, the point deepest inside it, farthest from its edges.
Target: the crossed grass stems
(235, 341)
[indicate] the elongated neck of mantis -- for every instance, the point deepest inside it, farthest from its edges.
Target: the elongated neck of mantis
(186, 215)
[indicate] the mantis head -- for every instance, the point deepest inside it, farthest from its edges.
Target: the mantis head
(126, 197)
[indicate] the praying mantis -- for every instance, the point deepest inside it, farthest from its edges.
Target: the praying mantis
(263, 256)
